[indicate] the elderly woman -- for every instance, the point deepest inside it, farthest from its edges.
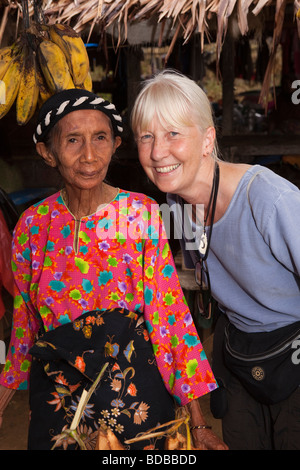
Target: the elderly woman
(240, 235)
(95, 286)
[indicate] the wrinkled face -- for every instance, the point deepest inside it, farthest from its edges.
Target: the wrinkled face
(82, 147)
(172, 157)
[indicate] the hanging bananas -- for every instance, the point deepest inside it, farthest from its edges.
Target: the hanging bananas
(44, 60)
(74, 49)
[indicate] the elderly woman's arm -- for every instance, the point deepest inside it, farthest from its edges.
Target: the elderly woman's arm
(25, 325)
(203, 438)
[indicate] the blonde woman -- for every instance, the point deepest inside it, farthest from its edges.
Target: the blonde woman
(244, 249)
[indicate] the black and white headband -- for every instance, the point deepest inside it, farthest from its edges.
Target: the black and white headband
(64, 102)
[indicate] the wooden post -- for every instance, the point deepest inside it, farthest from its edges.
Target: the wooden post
(133, 57)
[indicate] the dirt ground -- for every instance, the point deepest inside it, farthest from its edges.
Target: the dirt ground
(13, 434)
(14, 430)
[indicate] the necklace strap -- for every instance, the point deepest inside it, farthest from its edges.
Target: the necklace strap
(195, 255)
(213, 198)
(213, 187)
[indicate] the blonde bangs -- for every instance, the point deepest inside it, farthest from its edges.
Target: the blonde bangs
(169, 105)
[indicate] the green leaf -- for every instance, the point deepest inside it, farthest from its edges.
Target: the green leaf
(126, 412)
(191, 367)
(18, 300)
(165, 251)
(23, 238)
(82, 265)
(112, 261)
(43, 210)
(25, 365)
(84, 237)
(48, 261)
(75, 294)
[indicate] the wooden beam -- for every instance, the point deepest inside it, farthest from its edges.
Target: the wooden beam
(241, 147)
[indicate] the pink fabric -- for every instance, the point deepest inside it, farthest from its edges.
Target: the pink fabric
(6, 277)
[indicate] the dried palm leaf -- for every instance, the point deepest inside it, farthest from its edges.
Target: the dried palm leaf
(224, 11)
(260, 5)
(161, 34)
(147, 9)
(84, 399)
(242, 14)
(279, 18)
(201, 16)
(172, 8)
(297, 14)
(165, 429)
(171, 47)
(4, 22)
(99, 8)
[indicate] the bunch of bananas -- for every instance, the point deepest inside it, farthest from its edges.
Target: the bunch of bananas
(44, 60)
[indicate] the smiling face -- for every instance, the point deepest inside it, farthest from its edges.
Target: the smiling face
(172, 157)
(81, 149)
(173, 124)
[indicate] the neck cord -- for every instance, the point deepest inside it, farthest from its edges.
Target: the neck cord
(213, 201)
(195, 254)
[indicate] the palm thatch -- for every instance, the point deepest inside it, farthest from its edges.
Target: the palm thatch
(183, 17)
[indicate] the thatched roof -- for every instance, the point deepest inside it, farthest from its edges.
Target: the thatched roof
(186, 16)
(173, 18)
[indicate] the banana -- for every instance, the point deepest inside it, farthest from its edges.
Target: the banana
(11, 82)
(6, 56)
(70, 84)
(54, 66)
(5, 59)
(87, 84)
(73, 47)
(28, 91)
(44, 92)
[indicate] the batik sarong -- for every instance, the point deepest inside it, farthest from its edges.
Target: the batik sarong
(130, 398)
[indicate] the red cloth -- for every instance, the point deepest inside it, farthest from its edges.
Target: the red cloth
(6, 276)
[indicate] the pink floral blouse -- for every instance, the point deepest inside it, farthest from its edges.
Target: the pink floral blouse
(117, 257)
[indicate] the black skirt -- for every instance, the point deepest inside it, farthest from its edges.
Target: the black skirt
(130, 398)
